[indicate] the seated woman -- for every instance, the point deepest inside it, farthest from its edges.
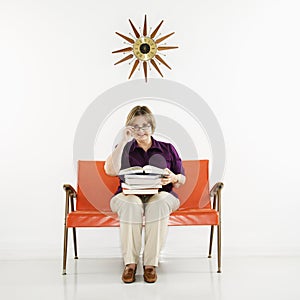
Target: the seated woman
(139, 148)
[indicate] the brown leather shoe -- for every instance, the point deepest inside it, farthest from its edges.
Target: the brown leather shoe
(150, 274)
(129, 274)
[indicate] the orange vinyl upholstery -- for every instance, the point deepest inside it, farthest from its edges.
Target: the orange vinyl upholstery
(95, 189)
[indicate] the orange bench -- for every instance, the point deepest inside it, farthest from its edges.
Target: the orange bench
(199, 205)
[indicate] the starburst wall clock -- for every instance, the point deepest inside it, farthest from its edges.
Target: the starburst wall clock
(145, 49)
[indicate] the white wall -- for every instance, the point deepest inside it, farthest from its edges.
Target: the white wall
(241, 57)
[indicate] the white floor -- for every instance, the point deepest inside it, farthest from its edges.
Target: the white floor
(178, 278)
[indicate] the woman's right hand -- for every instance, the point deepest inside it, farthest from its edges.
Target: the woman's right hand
(113, 162)
(127, 134)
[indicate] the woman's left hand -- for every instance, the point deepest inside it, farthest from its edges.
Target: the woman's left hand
(169, 178)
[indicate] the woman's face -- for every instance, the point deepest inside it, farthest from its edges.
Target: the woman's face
(142, 130)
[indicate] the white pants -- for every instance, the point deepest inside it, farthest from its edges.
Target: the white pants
(131, 211)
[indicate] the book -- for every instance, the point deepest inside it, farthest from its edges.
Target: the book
(135, 179)
(145, 176)
(140, 191)
(140, 186)
(148, 169)
(142, 180)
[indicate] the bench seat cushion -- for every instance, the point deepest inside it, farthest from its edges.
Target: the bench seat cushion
(182, 217)
(92, 219)
(194, 216)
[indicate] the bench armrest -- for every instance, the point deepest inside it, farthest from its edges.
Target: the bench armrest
(68, 187)
(215, 192)
(70, 195)
(216, 188)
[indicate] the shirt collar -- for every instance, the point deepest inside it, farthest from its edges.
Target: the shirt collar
(155, 145)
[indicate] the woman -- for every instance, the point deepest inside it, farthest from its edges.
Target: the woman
(143, 150)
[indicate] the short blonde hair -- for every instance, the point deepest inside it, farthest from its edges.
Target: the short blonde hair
(141, 111)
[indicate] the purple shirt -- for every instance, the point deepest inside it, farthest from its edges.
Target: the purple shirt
(160, 154)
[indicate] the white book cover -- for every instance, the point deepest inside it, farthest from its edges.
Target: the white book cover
(145, 177)
(140, 192)
(138, 181)
(148, 169)
(140, 186)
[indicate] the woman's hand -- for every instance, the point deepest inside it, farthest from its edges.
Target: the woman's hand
(169, 178)
(127, 134)
(113, 162)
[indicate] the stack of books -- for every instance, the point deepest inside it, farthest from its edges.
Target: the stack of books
(142, 180)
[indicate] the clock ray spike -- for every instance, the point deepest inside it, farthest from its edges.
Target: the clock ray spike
(128, 39)
(153, 34)
(133, 59)
(163, 38)
(124, 59)
(156, 67)
(131, 34)
(145, 69)
(134, 29)
(166, 48)
(162, 61)
(123, 50)
(158, 35)
(134, 67)
(145, 26)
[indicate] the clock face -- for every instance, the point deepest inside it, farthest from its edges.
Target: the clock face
(144, 48)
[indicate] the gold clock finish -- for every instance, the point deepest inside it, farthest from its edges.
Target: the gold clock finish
(144, 48)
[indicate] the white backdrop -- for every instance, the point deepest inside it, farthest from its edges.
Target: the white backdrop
(240, 56)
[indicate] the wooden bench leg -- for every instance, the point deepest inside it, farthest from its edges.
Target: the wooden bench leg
(65, 250)
(75, 243)
(74, 233)
(211, 240)
(219, 248)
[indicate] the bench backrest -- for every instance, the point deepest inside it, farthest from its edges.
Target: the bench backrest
(95, 188)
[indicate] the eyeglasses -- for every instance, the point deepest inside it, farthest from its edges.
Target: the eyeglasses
(145, 127)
